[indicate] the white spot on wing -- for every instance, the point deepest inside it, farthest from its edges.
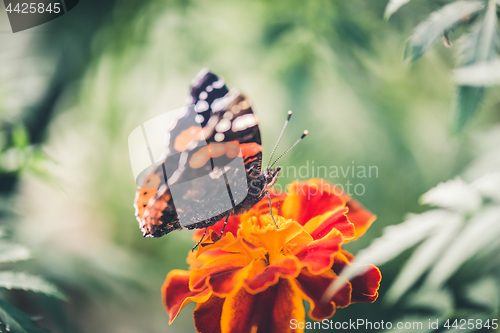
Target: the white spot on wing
(218, 84)
(219, 137)
(203, 95)
(221, 103)
(223, 125)
(201, 106)
(236, 109)
(199, 118)
(183, 159)
(243, 122)
(218, 172)
(210, 88)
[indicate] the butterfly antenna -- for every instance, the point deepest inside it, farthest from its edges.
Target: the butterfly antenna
(296, 143)
(279, 138)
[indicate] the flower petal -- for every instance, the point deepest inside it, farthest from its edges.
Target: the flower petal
(313, 288)
(205, 257)
(272, 239)
(365, 286)
(232, 226)
(207, 315)
(320, 226)
(342, 259)
(360, 217)
(306, 200)
(212, 242)
(267, 312)
(318, 256)
(176, 294)
(267, 276)
(220, 274)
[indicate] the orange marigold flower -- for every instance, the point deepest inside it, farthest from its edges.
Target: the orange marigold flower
(255, 278)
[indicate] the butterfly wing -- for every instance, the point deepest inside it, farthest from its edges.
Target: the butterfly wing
(212, 163)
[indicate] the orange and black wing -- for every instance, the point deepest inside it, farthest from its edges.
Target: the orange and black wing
(213, 160)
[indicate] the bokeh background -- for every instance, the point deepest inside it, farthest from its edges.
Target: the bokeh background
(73, 89)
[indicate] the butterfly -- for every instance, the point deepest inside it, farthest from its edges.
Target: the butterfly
(212, 165)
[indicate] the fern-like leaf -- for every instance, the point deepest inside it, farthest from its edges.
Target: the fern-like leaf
(12, 253)
(393, 6)
(22, 281)
(15, 321)
(441, 21)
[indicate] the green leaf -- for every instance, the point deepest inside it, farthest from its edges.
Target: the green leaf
(489, 186)
(453, 194)
(480, 231)
(393, 6)
(485, 293)
(482, 46)
(20, 137)
(13, 280)
(438, 305)
(439, 300)
(12, 252)
(480, 75)
(16, 321)
(488, 40)
(441, 21)
(422, 259)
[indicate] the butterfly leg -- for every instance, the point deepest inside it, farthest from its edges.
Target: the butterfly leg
(224, 227)
(271, 209)
(194, 247)
(279, 205)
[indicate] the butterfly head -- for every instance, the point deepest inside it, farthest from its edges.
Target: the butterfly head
(271, 175)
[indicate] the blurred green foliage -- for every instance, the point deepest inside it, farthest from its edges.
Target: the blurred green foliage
(453, 272)
(81, 83)
(480, 45)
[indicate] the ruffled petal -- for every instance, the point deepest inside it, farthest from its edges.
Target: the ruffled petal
(267, 312)
(318, 256)
(207, 315)
(342, 259)
(361, 217)
(320, 226)
(265, 276)
(313, 287)
(213, 243)
(365, 286)
(271, 238)
(222, 274)
(176, 294)
(206, 257)
(306, 200)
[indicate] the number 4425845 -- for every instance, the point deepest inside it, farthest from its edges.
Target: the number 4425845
(32, 8)
(463, 324)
